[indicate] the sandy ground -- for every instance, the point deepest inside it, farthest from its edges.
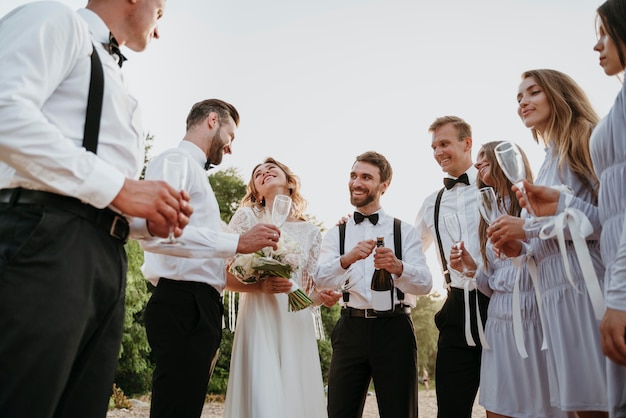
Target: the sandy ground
(427, 408)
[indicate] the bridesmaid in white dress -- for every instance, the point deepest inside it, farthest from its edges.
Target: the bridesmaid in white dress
(275, 368)
(560, 115)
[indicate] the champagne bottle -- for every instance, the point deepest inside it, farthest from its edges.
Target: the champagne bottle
(382, 286)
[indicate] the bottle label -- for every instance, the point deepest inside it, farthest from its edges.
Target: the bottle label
(382, 301)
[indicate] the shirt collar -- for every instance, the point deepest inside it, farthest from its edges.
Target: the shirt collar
(98, 29)
(196, 153)
(471, 172)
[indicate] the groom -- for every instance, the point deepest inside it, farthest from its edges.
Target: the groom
(369, 345)
(184, 315)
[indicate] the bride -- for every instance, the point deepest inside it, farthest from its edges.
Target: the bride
(274, 368)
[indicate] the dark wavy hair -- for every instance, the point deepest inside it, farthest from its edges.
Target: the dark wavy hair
(502, 187)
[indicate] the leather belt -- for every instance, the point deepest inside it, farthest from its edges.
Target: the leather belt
(111, 222)
(370, 313)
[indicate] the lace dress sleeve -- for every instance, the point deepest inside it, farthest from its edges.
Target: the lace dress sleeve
(308, 273)
(242, 221)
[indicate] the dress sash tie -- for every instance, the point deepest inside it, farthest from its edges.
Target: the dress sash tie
(580, 228)
(467, 283)
(518, 333)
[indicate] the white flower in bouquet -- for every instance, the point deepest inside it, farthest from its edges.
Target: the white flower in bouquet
(282, 262)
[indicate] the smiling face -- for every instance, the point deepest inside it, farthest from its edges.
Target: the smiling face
(269, 180)
(222, 140)
(609, 55)
(483, 165)
(365, 187)
(452, 153)
(534, 107)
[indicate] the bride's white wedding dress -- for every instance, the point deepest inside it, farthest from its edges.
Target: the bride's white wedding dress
(274, 367)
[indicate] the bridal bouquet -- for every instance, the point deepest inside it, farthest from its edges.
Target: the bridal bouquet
(282, 262)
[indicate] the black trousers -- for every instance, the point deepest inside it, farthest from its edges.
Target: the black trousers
(184, 326)
(382, 349)
(457, 373)
(62, 285)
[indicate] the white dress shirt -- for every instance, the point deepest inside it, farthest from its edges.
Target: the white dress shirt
(44, 84)
(461, 199)
(415, 279)
(206, 244)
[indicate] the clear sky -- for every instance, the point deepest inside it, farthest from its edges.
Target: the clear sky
(319, 82)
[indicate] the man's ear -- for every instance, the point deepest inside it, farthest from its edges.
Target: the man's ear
(213, 120)
(384, 186)
(468, 143)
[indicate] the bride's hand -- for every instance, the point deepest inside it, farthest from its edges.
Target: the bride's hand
(275, 285)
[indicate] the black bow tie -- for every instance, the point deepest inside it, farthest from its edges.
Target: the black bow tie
(208, 165)
(449, 183)
(114, 48)
(358, 218)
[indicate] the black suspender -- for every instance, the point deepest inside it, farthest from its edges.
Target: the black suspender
(94, 104)
(397, 244)
(444, 263)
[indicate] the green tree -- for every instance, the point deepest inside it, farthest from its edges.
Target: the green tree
(229, 189)
(426, 332)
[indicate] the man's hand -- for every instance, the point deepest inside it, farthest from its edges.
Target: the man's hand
(542, 199)
(384, 258)
(460, 258)
(329, 298)
(157, 202)
(612, 334)
(257, 237)
(360, 251)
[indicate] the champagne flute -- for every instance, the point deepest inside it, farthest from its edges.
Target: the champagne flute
(281, 209)
(488, 207)
(511, 162)
(453, 225)
(175, 174)
(487, 204)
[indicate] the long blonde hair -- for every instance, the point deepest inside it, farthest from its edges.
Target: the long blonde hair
(572, 118)
(253, 200)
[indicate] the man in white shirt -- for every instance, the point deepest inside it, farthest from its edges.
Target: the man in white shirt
(69, 199)
(368, 344)
(184, 315)
(457, 370)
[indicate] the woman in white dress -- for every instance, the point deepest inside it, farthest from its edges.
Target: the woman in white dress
(560, 115)
(275, 368)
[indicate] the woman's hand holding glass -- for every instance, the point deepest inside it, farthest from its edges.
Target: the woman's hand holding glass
(506, 234)
(541, 200)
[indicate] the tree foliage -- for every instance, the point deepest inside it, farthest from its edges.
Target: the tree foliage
(426, 332)
(229, 189)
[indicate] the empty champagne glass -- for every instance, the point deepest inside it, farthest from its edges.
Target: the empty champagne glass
(453, 225)
(511, 161)
(487, 204)
(175, 174)
(488, 207)
(281, 209)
